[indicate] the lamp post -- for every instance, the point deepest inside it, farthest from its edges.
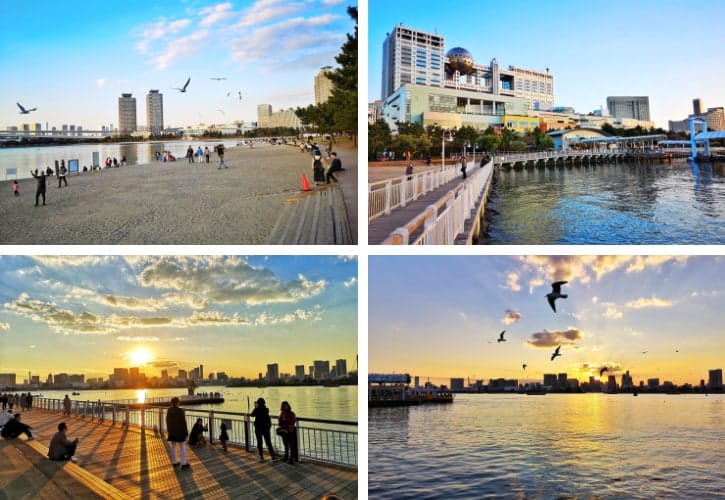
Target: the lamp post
(443, 147)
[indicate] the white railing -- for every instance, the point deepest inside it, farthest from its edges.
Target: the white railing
(329, 441)
(500, 158)
(385, 196)
(444, 220)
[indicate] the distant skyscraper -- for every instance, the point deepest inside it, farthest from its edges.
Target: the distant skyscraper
(322, 369)
(323, 85)
(635, 107)
(126, 114)
(155, 112)
(341, 367)
(715, 380)
(697, 107)
(264, 113)
(300, 371)
(273, 371)
(411, 56)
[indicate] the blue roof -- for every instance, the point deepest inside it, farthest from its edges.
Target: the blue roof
(716, 134)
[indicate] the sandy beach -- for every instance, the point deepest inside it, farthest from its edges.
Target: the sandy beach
(173, 203)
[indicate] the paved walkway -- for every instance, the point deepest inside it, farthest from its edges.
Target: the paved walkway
(380, 228)
(123, 462)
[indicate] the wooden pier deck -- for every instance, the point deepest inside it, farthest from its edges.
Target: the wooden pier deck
(124, 462)
(380, 228)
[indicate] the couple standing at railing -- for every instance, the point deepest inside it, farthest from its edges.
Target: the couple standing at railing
(178, 432)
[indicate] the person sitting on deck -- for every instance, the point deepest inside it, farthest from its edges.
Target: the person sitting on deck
(62, 448)
(14, 428)
(197, 433)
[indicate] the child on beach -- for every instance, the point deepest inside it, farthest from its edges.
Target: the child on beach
(223, 436)
(16, 188)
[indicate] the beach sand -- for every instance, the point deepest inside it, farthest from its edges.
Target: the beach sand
(173, 203)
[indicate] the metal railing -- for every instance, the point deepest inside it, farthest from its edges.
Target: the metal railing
(328, 441)
(385, 196)
(499, 158)
(444, 220)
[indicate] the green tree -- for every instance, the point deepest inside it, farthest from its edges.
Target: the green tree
(414, 129)
(379, 138)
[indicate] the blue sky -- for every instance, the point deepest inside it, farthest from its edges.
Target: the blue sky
(669, 50)
(72, 60)
(90, 314)
(440, 316)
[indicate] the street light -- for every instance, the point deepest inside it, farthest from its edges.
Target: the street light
(443, 147)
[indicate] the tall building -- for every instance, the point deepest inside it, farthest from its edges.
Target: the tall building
(155, 112)
(375, 111)
(411, 56)
(322, 369)
(635, 107)
(627, 380)
(126, 114)
(300, 371)
(697, 107)
(273, 372)
(7, 379)
(715, 379)
(264, 113)
(323, 85)
(341, 367)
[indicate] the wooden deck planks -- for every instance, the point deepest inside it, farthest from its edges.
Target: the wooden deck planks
(138, 465)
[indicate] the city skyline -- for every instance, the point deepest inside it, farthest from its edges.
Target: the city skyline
(97, 313)
(656, 316)
(91, 53)
(594, 67)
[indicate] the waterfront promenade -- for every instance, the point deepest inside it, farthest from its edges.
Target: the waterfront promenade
(170, 203)
(124, 462)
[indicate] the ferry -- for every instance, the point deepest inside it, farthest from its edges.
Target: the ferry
(394, 390)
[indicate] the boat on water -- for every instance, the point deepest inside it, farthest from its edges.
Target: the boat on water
(536, 392)
(75, 393)
(386, 390)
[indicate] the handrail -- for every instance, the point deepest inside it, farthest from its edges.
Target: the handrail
(456, 205)
(499, 158)
(322, 440)
(387, 195)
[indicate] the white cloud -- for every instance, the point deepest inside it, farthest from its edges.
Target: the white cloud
(100, 83)
(512, 282)
(213, 15)
(268, 10)
(644, 302)
(4, 326)
(350, 282)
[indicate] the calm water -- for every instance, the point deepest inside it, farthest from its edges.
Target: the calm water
(553, 446)
(332, 403)
(618, 203)
(30, 158)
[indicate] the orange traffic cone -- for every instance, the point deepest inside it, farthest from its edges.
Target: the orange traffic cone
(305, 184)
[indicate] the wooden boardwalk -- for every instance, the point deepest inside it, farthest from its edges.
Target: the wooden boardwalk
(124, 462)
(380, 228)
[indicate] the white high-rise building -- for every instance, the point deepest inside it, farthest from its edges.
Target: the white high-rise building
(323, 85)
(411, 56)
(155, 112)
(636, 107)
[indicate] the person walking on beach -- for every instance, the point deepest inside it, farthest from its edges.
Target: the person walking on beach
(40, 190)
(287, 431)
(335, 166)
(262, 425)
(62, 448)
(220, 152)
(16, 188)
(177, 432)
(14, 428)
(199, 153)
(206, 153)
(190, 154)
(63, 176)
(223, 436)
(66, 405)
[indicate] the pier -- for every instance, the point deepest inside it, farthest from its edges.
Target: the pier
(117, 459)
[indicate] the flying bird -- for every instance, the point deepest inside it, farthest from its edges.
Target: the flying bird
(218, 78)
(645, 352)
(524, 366)
(240, 94)
(604, 369)
(24, 111)
(500, 337)
(556, 293)
(556, 353)
(183, 89)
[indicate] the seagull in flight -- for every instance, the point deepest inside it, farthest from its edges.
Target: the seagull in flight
(556, 353)
(500, 337)
(524, 366)
(183, 89)
(556, 293)
(24, 111)
(645, 352)
(218, 78)
(604, 369)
